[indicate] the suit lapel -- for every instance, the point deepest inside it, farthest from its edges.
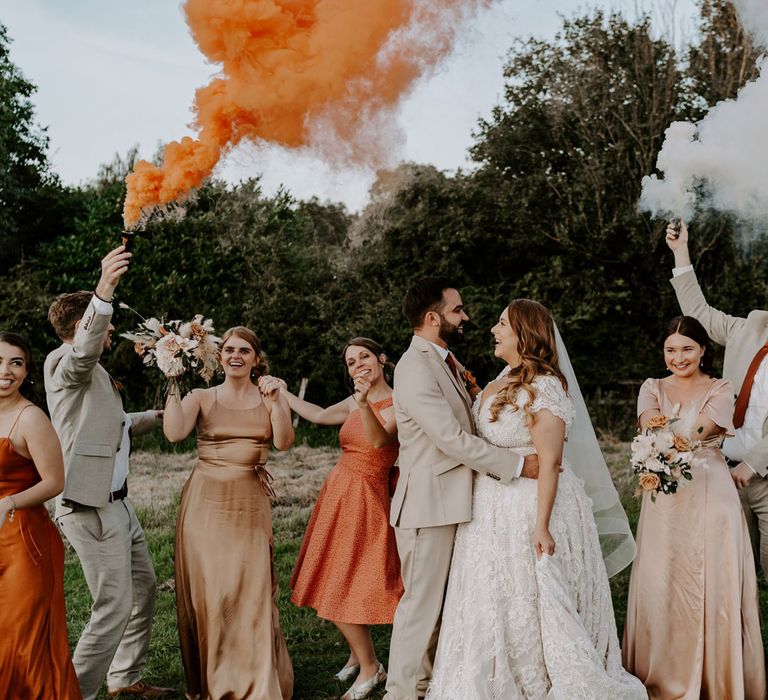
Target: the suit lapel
(443, 370)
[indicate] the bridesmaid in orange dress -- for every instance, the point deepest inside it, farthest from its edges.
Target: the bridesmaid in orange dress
(35, 661)
(693, 623)
(226, 585)
(348, 568)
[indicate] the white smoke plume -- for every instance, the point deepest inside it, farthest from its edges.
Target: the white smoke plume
(722, 161)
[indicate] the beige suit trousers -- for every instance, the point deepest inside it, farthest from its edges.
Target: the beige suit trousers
(118, 570)
(754, 500)
(425, 559)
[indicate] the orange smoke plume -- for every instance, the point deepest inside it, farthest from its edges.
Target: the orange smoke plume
(287, 62)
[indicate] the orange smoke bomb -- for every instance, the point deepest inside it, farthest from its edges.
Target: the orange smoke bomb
(285, 62)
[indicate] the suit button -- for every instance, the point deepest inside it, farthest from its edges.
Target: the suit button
(496, 477)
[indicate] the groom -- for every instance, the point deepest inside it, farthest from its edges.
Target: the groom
(438, 453)
(746, 350)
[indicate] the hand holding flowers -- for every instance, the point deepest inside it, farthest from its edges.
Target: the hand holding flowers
(177, 347)
(661, 459)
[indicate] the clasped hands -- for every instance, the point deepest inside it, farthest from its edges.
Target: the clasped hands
(270, 387)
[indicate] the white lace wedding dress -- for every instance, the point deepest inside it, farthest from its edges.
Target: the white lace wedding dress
(514, 627)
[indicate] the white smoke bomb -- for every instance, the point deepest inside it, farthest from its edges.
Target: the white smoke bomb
(722, 161)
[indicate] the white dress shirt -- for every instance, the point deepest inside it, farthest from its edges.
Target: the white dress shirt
(749, 434)
(443, 352)
(120, 470)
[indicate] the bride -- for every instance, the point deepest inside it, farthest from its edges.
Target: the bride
(528, 610)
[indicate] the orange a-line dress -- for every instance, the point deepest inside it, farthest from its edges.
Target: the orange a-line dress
(348, 569)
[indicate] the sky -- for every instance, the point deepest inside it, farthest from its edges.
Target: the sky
(113, 75)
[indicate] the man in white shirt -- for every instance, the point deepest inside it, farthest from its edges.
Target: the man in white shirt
(746, 366)
(93, 511)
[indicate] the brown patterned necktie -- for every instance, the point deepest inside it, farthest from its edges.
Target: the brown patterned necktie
(742, 401)
(452, 365)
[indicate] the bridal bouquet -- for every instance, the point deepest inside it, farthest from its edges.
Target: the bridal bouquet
(662, 459)
(177, 347)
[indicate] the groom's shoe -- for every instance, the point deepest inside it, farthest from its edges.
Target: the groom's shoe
(140, 689)
(364, 689)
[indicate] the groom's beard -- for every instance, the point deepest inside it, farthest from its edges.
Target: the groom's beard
(450, 334)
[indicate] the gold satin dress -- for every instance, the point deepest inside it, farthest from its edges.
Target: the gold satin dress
(693, 623)
(226, 586)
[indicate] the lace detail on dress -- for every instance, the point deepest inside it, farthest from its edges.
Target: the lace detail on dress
(514, 627)
(510, 428)
(551, 396)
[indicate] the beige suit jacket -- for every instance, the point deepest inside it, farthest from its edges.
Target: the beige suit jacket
(438, 448)
(742, 338)
(86, 411)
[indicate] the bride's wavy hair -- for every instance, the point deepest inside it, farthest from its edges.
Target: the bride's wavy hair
(532, 323)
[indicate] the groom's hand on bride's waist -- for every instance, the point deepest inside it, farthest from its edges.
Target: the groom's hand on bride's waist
(531, 467)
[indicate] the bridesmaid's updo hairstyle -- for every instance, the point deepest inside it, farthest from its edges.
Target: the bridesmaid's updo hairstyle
(691, 328)
(261, 367)
(369, 344)
(535, 330)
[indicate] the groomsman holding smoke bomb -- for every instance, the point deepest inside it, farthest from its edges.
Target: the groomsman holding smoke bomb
(93, 511)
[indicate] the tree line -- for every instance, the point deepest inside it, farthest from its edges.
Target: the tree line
(549, 212)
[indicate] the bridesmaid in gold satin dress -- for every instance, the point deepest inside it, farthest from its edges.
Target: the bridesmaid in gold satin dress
(226, 586)
(693, 624)
(35, 661)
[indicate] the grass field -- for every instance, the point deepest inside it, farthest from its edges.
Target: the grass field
(317, 649)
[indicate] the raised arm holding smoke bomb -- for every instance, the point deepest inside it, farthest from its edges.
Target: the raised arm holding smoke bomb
(746, 349)
(94, 511)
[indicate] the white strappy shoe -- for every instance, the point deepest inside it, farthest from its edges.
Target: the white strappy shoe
(347, 673)
(364, 689)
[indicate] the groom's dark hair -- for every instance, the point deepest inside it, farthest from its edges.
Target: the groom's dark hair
(425, 295)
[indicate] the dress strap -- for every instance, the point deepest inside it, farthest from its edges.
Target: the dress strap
(13, 427)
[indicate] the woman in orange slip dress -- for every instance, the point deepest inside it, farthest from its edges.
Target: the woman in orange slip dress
(226, 585)
(693, 622)
(35, 661)
(348, 568)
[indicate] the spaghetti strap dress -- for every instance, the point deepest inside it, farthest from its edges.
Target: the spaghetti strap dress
(226, 585)
(35, 661)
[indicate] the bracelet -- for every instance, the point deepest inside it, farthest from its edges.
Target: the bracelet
(12, 511)
(100, 299)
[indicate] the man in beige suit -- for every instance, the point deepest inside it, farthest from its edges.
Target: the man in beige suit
(746, 350)
(438, 453)
(93, 511)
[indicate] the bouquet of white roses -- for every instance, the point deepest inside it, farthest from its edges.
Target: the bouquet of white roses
(177, 347)
(662, 459)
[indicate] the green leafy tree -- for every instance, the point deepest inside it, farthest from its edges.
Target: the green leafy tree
(33, 205)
